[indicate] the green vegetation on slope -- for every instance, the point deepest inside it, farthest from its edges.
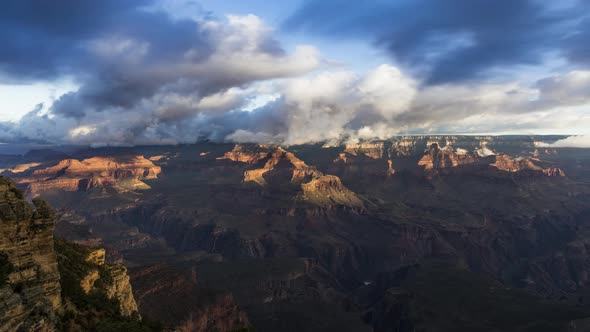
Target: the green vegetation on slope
(92, 311)
(6, 268)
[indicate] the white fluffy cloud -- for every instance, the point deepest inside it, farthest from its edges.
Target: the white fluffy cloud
(388, 90)
(566, 89)
(578, 141)
(326, 106)
(333, 105)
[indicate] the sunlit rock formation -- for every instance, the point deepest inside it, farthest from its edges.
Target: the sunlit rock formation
(280, 165)
(120, 174)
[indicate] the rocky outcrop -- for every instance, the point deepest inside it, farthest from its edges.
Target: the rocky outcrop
(280, 162)
(249, 154)
(404, 147)
(431, 155)
(524, 165)
(114, 281)
(316, 188)
(508, 164)
(437, 158)
(120, 174)
(120, 289)
(328, 190)
(256, 175)
(97, 256)
(117, 168)
(51, 285)
(390, 168)
(88, 281)
(30, 297)
(553, 171)
(374, 150)
(20, 168)
(483, 145)
(407, 146)
(481, 161)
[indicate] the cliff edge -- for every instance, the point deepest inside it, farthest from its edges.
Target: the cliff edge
(48, 284)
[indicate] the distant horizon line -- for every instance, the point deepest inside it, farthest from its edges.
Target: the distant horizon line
(275, 143)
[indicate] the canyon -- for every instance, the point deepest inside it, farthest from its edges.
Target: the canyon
(330, 237)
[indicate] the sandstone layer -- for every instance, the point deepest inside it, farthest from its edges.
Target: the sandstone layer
(119, 174)
(30, 297)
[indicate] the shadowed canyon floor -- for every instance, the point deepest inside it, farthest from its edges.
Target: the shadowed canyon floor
(406, 234)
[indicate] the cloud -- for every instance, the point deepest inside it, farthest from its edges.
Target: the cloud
(565, 89)
(336, 106)
(246, 136)
(456, 40)
(576, 44)
(582, 141)
(213, 57)
(143, 75)
(147, 77)
(8, 132)
(331, 106)
(42, 40)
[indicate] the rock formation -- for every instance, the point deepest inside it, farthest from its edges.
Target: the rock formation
(114, 280)
(215, 238)
(47, 285)
(249, 154)
(120, 289)
(328, 190)
(375, 150)
(437, 158)
(441, 155)
(524, 165)
(30, 297)
(20, 168)
(280, 161)
(279, 164)
(553, 171)
(120, 174)
(508, 164)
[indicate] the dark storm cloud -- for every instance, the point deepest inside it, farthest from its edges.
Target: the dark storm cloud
(143, 73)
(41, 39)
(45, 39)
(7, 132)
(577, 42)
(457, 39)
(101, 44)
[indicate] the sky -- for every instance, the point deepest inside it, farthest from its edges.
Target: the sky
(291, 72)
